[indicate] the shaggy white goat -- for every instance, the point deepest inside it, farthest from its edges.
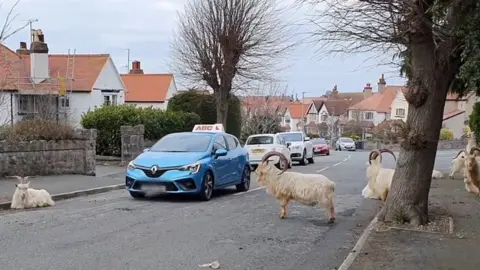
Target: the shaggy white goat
(472, 172)
(26, 197)
(458, 164)
(307, 189)
(437, 174)
(378, 178)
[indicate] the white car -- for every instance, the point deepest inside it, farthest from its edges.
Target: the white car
(345, 143)
(260, 144)
(301, 148)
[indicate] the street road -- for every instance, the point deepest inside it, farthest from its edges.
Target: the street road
(240, 230)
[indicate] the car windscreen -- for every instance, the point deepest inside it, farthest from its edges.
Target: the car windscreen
(292, 137)
(182, 142)
(319, 141)
(260, 140)
(346, 140)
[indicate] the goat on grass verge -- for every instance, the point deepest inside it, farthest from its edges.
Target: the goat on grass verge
(306, 189)
(458, 164)
(472, 172)
(26, 197)
(437, 174)
(379, 179)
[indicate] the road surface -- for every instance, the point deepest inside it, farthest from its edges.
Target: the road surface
(240, 230)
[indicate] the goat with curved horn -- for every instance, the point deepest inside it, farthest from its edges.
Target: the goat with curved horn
(373, 155)
(385, 150)
(280, 155)
(473, 149)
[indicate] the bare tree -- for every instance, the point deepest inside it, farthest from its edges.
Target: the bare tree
(262, 109)
(7, 80)
(228, 43)
(428, 37)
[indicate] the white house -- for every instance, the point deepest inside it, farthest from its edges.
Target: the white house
(399, 107)
(292, 117)
(148, 90)
(377, 107)
(64, 86)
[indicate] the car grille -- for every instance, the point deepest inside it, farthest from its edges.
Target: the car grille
(157, 174)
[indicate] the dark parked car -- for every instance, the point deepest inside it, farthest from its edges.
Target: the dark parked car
(320, 147)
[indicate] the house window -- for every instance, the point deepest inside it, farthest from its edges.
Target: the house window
(369, 115)
(25, 104)
(400, 112)
(110, 100)
(64, 102)
(324, 117)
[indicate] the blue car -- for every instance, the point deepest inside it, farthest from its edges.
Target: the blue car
(190, 163)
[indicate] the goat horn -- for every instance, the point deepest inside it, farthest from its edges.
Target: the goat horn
(472, 151)
(20, 179)
(461, 151)
(371, 157)
(280, 155)
(388, 151)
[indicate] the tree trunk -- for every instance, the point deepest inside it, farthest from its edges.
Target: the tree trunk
(221, 98)
(407, 200)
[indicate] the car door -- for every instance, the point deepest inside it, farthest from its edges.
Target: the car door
(234, 167)
(220, 164)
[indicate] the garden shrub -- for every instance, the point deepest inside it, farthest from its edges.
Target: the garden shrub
(446, 134)
(37, 129)
(158, 123)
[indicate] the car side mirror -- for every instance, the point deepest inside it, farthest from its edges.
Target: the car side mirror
(146, 150)
(220, 152)
(288, 144)
(307, 139)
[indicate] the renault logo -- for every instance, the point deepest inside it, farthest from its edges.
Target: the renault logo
(154, 169)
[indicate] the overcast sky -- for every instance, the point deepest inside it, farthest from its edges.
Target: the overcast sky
(145, 27)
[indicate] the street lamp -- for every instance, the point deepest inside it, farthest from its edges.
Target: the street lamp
(303, 114)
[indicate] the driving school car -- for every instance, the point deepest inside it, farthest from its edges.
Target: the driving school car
(196, 162)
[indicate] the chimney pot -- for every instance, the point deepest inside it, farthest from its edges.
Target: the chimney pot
(367, 91)
(136, 68)
(23, 45)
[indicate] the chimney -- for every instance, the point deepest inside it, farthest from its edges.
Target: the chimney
(367, 91)
(39, 70)
(136, 68)
(381, 84)
(23, 49)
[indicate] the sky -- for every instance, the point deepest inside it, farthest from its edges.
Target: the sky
(113, 26)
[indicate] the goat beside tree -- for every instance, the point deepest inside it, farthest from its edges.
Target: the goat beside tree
(306, 189)
(26, 197)
(378, 178)
(472, 172)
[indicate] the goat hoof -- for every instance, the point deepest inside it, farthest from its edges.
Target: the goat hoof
(331, 220)
(282, 216)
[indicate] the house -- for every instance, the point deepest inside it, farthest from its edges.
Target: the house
(292, 116)
(378, 106)
(35, 83)
(457, 111)
(252, 105)
(324, 116)
(148, 90)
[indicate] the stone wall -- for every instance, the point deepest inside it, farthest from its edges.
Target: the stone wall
(133, 142)
(75, 156)
(442, 145)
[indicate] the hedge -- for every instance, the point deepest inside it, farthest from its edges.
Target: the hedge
(204, 105)
(158, 123)
(474, 121)
(37, 129)
(446, 134)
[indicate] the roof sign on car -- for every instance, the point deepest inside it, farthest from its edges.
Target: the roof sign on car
(211, 128)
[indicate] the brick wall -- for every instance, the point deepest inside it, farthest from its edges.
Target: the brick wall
(133, 142)
(442, 145)
(50, 157)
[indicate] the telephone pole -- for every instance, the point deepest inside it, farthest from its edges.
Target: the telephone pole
(128, 59)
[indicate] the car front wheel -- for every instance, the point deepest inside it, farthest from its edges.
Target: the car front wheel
(206, 191)
(245, 184)
(304, 160)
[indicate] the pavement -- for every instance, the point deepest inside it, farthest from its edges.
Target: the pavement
(454, 250)
(240, 230)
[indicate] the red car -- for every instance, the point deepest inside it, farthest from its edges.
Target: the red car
(320, 147)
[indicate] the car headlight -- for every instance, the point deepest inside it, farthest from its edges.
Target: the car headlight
(131, 166)
(193, 168)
